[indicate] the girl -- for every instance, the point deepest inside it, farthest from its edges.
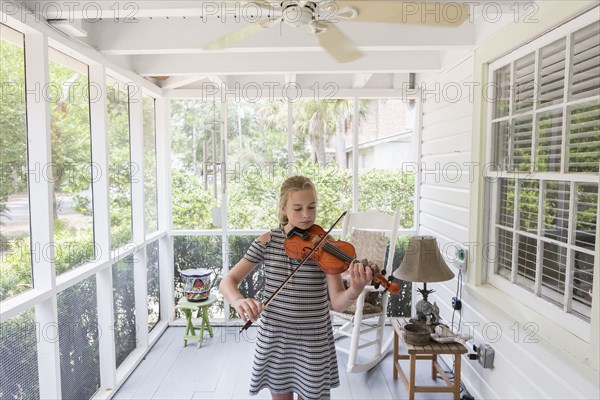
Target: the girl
(295, 352)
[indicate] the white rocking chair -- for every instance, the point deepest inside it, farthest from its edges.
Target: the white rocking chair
(371, 231)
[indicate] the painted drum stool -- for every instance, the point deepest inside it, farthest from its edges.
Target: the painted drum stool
(196, 284)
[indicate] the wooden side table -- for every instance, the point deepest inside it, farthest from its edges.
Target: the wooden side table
(201, 308)
(426, 352)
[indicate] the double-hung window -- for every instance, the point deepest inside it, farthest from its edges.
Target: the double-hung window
(542, 170)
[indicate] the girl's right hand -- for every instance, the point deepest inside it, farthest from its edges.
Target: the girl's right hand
(248, 309)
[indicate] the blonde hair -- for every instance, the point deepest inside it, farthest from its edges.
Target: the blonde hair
(291, 185)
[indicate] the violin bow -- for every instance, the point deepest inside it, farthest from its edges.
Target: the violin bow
(249, 322)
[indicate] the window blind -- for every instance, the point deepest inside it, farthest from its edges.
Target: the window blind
(503, 253)
(549, 137)
(584, 137)
(556, 210)
(552, 73)
(585, 69)
(545, 146)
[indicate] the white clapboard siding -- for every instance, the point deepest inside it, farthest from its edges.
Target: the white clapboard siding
(450, 194)
(444, 213)
(444, 197)
(452, 127)
(448, 112)
(523, 366)
(448, 143)
(449, 178)
(439, 208)
(446, 161)
(445, 227)
(528, 364)
(446, 148)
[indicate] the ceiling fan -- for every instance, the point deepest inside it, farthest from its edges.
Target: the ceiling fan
(319, 18)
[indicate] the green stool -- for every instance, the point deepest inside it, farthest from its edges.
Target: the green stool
(188, 307)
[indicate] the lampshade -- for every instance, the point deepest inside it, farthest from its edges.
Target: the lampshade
(423, 262)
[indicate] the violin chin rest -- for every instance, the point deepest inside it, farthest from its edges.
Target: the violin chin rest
(292, 232)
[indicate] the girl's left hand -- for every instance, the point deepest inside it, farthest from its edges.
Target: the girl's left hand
(360, 276)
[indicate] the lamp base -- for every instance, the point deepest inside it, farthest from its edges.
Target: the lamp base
(428, 313)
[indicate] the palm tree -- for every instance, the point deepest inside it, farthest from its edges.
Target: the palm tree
(317, 121)
(344, 108)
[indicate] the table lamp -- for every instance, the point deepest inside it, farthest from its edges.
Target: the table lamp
(423, 262)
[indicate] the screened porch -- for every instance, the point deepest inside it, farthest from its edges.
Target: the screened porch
(131, 153)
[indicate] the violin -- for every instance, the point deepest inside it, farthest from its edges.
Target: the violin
(332, 256)
(311, 243)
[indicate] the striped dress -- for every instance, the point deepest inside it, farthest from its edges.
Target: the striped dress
(295, 351)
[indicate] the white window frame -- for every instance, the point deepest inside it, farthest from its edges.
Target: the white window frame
(39, 38)
(570, 322)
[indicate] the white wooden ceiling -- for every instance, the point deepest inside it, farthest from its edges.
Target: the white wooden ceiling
(165, 39)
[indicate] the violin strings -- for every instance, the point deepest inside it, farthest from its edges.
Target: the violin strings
(330, 248)
(342, 255)
(337, 252)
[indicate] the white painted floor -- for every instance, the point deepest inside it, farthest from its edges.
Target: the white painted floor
(221, 369)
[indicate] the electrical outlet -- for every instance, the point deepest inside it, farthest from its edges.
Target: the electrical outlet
(485, 355)
(461, 259)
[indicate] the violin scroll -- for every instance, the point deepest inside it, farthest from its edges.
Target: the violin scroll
(380, 280)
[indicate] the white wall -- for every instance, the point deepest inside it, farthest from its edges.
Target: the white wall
(446, 126)
(545, 360)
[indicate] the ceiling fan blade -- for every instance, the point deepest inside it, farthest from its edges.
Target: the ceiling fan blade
(262, 3)
(406, 12)
(336, 43)
(233, 37)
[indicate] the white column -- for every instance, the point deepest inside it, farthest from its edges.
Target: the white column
(290, 133)
(420, 99)
(355, 193)
(100, 183)
(224, 210)
(41, 207)
(164, 206)
(140, 276)
(418, 178)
